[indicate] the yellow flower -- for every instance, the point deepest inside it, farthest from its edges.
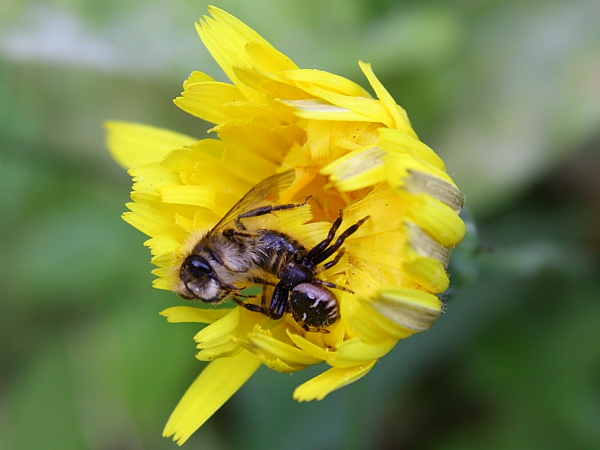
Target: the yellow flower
(349, 151)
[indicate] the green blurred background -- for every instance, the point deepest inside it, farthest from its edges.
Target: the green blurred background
(507, 91)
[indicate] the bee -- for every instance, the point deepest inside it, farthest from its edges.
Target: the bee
(233, 255)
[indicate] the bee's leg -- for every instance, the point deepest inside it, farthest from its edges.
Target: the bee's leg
(319, 258)
(245, 296)
(252, 307)
(265, 283)
(263, 296)
(258, 280)
(263, 210)
(277, 307)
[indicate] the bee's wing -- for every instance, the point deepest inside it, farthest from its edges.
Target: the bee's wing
(264, 193)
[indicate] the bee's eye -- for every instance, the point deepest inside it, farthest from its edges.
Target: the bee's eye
(199, 266)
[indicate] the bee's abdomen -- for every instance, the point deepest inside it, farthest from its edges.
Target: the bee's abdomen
(276, 250)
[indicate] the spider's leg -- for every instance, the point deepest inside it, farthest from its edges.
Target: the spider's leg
(277, 307)
(340, 241)
(333, 262)
(314, 329)
(279, 301)
(331, 285)
(317, 249)
(263, 210)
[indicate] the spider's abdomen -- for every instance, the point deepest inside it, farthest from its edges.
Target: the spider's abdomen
(314, 306)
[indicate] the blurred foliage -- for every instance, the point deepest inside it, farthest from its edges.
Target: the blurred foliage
(506, 91)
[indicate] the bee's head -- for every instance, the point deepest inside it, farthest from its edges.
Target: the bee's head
(200, 280)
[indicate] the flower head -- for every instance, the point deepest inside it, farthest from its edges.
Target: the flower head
(349, 152)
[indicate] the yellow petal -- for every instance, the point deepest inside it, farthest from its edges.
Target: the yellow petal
(399, 116)
(239, 159)
(307, 78)
(318, 109)
(223, 350)
(212, 101)
(335, 378)
(216, 340)
(178, 314)
(402, 166)
(256, 137)
(357, 169)
(311, 348)
(318, 138)
(226, 38)
(427, 272)
(188, 195)
(152, 219)
(149, 177)
(215, 385)
(165, 282)
(394, 141)
(134, 144)
(163, 244)
(267, 58)
(369, 324)
(276, 354)
(409, 308)
(381, 255)
(219, 331)
(424, 245)
(436, 187)
(365, 106)
(273, 86)
(437, 219)
(205, 152)
(353, 352)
